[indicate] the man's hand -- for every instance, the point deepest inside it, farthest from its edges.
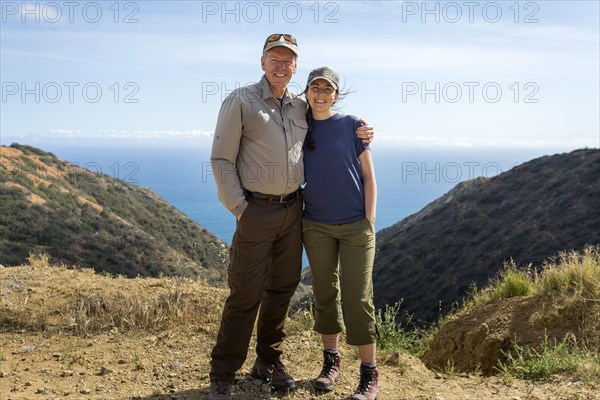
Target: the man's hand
(365, 132)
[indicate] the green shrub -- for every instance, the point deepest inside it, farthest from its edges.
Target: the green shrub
(392, 336)
(513, 283)
(529, 363)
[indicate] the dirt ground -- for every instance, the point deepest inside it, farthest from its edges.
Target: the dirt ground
(41, 356)
(175, 365)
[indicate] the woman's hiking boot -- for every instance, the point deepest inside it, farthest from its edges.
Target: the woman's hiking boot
(367, 388)
(329, 373)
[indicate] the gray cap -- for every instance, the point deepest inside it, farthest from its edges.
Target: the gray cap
(281, 42)
(324, 73)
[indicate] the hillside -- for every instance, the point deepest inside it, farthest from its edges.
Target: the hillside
(83, 218)
(527, 214)
(71, 333)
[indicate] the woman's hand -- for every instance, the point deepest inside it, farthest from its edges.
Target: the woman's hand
(371, 219)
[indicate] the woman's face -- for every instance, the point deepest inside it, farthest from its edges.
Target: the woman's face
(321, 95)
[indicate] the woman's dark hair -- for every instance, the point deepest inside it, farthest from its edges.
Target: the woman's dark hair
(310, 139)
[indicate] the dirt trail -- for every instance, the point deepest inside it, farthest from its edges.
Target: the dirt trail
(174, 365)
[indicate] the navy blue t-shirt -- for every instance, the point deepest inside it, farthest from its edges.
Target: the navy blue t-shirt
(334, 192)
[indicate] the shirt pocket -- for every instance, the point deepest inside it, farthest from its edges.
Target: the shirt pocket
(299, 126)
(296, 136)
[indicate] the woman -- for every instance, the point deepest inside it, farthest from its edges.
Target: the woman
(339, 224)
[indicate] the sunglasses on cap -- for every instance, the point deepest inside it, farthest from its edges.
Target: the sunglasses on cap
(276, 36)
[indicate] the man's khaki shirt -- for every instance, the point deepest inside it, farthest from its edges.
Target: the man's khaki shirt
(258, 144)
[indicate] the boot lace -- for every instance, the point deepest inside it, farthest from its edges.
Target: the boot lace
(328, 365)
(366, 379)
(278, 366)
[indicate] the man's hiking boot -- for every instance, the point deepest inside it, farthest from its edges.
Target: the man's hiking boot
(274, 374)
(329, 373)
(367, 388)
(220, 390)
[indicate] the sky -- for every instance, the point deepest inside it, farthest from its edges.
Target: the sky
(435, 74)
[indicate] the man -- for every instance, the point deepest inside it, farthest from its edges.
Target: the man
(258, 167)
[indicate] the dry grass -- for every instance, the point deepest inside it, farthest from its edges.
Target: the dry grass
(573, 281)
(577, 276)
(572, 274)
(40, 296)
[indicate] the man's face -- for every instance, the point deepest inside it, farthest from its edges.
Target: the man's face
(279, 64)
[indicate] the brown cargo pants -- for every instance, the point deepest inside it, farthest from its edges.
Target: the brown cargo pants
(264, 271)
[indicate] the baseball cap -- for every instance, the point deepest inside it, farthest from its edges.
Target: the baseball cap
(324, 73)
(281, 40)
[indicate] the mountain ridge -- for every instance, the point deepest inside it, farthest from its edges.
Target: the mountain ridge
(527, 214)
(80, 217)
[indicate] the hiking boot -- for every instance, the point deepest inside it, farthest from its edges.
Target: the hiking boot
(329, 373)
(220, 390)
(367, 388)
(273, 374)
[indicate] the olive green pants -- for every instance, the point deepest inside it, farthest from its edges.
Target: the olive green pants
(352, 247)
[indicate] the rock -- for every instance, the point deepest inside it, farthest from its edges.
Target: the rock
(265, 387)
(66, 373)
(26, 349)
(85, 391)
(245, 385)
(175, 364)
(105, 371)
(28, 383)
(3, 374)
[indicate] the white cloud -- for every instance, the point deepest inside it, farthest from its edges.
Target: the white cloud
(130, 134)
(192, 137)
(391, 140)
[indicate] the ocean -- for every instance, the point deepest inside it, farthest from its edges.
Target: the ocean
(407, 180)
